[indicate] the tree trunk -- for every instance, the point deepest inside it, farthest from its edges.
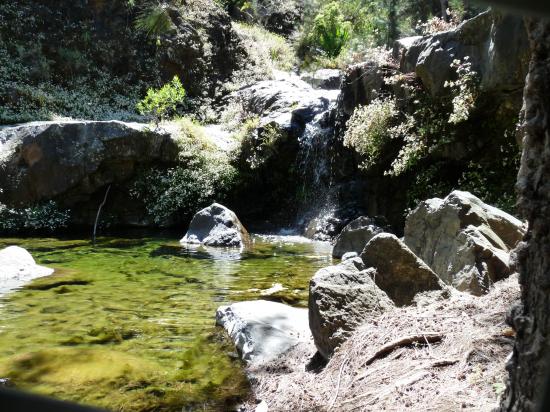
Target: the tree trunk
(528, 367)
(393, 31)
(444, 7)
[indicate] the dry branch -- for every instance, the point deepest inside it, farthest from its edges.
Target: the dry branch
(406, 341)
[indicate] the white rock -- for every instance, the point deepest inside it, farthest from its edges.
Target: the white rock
(262, 330)
(17, 267)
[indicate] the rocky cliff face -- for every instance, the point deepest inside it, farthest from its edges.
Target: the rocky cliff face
(496, 47)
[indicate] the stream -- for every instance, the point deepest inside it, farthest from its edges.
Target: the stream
(129, 325)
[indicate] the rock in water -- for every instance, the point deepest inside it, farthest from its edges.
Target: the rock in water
(17, 267)
(340, 299)
(466, 242)
(216, 225)
(356, 235)
(399, 272)
(329, 79)
(262, 330)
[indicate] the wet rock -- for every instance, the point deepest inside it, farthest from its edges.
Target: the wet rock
(216, 225)
(465, 241)
(340, 299)
(329, 79)
(399, 272)
(17, 267)
(287, 102)
(357, 234)
(263, 330)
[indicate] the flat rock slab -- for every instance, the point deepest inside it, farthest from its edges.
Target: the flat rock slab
(17, 267)
(263, 330)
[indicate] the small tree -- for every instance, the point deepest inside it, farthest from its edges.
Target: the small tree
(162, 103)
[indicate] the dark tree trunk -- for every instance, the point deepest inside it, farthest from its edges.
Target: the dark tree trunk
(528, 367)
(444, 7)
(393, 31)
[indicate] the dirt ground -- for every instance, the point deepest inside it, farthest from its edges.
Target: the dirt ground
(441, 355)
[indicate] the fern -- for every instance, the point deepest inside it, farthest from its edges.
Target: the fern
(154, 20)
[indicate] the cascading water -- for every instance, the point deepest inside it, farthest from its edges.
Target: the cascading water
(317, 199)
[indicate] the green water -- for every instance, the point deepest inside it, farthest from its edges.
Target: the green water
(129, 325)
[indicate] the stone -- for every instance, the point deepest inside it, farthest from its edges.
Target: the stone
(399, 272)
(17, 267)
(73, 161)
(361, 84)
(465, 241)
(216, 225)
(263, 330)
(329, 79)
(341, 298)
(495, 43)
(349, 255)
(357, 234)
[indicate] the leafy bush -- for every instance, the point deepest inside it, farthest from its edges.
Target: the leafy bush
(44, 217)
(464, 89)
(162, 103)
(370, 128)
(331, 32)
(154, 20)
(203, 175)
(266, 53)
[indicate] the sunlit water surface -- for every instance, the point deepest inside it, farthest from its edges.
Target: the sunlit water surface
(129, 324)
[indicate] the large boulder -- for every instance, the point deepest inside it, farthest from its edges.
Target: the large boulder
(399, 272)
(216, 225)
(357, 234)
(72, 160)
(329, 79)
(340, 299)
(17, 267)
(496, 45)
(287, 102)
(465, 241)
(263, 330)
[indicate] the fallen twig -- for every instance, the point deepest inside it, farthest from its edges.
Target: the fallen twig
(406, 341)
(338, 384)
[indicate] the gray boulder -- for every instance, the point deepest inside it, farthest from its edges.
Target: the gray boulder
(287, 102)
(465, 241)
(495, 43)
(329, 79)
(340, 299)
(399, 272)
(263, 330)
(72, 160)
(216, 225)
(17, 267)
(356, 235)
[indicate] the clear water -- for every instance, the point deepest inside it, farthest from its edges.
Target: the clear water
(129, 325)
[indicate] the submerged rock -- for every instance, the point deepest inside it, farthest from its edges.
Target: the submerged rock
(17, 267)
(465, 241)
(356, 235)
(216, 225)
(340, 299)
(399, 272)
(263, 330)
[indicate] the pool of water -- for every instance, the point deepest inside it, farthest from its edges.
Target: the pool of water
(129, 325)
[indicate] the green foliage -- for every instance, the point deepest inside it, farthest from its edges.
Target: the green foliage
(258, 146)
(204, 175)
(154, 20)
(331, 32)
(44, 217)
(464, 89)
(162, 103)
(370, 128)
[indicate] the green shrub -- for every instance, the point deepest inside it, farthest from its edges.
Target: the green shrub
(43, 217)
(331, 32)
(162, 103)
(154, 20)
(370, 128)
(203, 175)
